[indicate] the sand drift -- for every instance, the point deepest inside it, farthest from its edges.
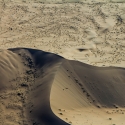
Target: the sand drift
(36, 87)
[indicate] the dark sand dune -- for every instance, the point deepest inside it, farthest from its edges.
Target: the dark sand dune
(35, 84)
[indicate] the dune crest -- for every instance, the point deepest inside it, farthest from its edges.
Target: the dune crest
(26, 79)
(87, 94)
(41, 88)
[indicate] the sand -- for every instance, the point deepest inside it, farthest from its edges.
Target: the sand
(84, 94)
(74, 71)
(63, 27)
(42, 88)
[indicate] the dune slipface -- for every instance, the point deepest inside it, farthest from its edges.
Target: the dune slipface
(41, 88)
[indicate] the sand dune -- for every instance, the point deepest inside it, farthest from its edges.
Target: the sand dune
(41, 88)
(63, 26)
(90, 95)
(25, 82)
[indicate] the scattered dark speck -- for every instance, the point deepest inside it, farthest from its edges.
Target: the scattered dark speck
(18, 94)
(82, 50)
